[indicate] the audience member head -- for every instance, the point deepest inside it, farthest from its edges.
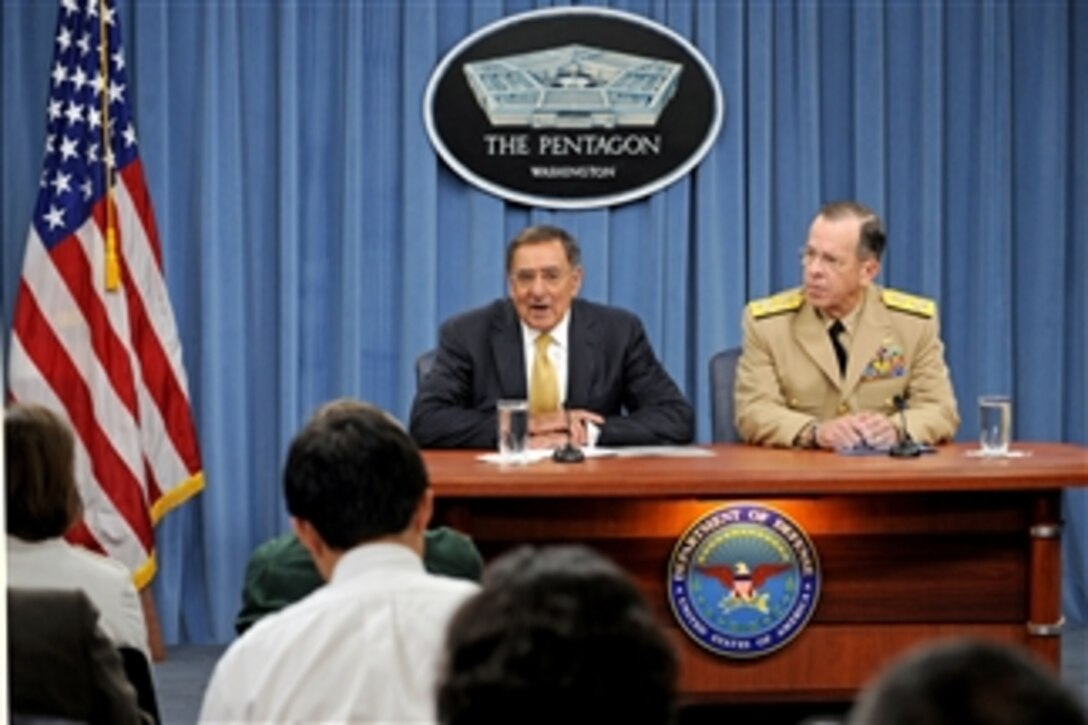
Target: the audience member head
(544, 274)
(841, 256)
(42, 498)
(556, 635)
(967, 682)
(353, 475)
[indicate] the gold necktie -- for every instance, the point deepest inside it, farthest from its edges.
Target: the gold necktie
(543, 383)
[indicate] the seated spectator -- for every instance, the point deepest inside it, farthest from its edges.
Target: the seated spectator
(364, 647)
(556, 635)
(62, 667)
(280, 571)
(967, 682)
(43, 502)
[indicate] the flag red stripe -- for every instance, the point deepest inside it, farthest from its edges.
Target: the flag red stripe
(157, 373)
(154, 490)
(41, 345)
(133, 178)
(81, 535)
(73, 266)
(160, 378)
(161, 383)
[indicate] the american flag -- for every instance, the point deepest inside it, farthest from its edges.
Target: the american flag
(93, 333)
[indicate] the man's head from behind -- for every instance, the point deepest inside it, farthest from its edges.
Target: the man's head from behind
(354, 475)
(556, 635)
(967, 682)
(544, 274)
(841, 256)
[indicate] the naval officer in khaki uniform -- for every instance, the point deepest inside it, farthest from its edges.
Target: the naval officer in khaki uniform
(795, 388)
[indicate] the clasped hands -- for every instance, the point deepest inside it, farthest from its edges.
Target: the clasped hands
(552, 430)
(857, 430)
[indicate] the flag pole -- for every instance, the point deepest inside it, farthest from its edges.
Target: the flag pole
(113, 266)
(113, 280)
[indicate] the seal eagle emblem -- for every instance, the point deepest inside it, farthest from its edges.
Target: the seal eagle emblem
(743, 580)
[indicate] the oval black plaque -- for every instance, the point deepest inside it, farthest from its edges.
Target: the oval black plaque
(573, 108)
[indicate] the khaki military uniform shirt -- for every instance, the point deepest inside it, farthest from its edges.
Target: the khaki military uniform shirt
(788, 375)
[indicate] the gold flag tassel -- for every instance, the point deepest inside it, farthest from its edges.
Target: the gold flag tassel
(113, 264)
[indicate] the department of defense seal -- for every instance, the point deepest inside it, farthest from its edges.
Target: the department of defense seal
(743, 580)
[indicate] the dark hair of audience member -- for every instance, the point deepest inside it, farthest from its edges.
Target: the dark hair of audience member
(556, 635)
(967, 682)
(42, 498)
(354, 474)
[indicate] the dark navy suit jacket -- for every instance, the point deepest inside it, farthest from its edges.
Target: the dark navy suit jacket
(612, 370)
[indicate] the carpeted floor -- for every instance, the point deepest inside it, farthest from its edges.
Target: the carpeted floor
(181, 679)
(1075, 660)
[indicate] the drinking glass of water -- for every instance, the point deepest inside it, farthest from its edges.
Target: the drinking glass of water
(995, 424)
(513, 419)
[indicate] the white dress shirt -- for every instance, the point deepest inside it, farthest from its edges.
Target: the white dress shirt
(365, 648)
(56, 564)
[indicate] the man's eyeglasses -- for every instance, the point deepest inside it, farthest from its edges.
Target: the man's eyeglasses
(551, 276)
(810, 257)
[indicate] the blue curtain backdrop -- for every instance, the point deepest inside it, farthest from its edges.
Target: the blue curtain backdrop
(313, 241)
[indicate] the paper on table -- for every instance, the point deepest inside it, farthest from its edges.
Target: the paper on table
(536, 455)
(533, 455)
(979, 453)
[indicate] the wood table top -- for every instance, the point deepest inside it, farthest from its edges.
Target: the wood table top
(742, 470)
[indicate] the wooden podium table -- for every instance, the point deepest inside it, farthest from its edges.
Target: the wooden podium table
(910, 549)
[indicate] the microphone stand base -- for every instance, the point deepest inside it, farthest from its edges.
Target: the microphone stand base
(568, 454)
(905, 449)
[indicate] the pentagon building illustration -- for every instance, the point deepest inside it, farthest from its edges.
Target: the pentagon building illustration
(575, 86)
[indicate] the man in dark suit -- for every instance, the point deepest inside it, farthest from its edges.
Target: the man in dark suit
(587, 370)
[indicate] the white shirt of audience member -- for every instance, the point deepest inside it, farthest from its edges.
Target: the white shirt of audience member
(363, 648)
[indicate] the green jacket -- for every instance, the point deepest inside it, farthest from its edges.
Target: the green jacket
(280, 571)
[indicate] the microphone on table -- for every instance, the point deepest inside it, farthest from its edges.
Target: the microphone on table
(906, 447)
(567, 453)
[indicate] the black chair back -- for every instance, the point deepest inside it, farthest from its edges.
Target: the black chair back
(138, 670)
(723, 371)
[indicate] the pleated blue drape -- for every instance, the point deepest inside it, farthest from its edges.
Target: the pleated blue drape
(313, 241)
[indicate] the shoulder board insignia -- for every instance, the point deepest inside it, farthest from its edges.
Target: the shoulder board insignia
(911, 304)
(789, 301)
